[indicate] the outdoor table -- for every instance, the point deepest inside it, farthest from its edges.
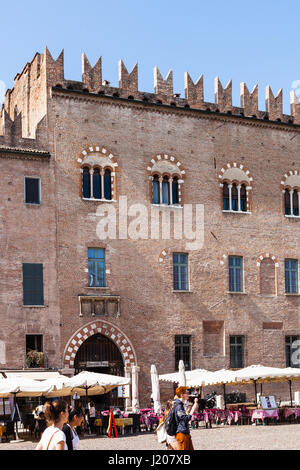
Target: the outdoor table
(262, 414)
(291, 411)
(123, 422)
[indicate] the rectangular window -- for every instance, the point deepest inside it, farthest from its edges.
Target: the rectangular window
(292, 355)
(96, 260)
(32, 190)
(236, 352)
(180, 271)
(235, 264)
(291, 276)
(34, 342)
(183, 351)
(33, 286)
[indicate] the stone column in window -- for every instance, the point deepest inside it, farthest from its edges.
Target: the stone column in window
(102, 172)
(291, 202)
(171, 190)
(160, 179)
(91, 183)
(230, 196)
(298, 193)
(239, 197)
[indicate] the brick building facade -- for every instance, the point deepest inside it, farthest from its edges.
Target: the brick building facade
(138, 297)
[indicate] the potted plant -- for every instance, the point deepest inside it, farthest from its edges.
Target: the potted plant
(34, 358)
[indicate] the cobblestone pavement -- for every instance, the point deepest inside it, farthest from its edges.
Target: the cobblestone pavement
(273, 437)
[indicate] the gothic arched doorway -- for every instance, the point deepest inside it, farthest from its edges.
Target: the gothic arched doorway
(100, 354)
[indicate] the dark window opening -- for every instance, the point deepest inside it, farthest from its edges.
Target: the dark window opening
(86, 183)
(107, 185)
(236, 352)
(32, 191)
(96, 184)
(33, 289)
(183, 351)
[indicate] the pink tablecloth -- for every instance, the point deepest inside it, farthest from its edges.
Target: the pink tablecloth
(291, 411)
(261, 414)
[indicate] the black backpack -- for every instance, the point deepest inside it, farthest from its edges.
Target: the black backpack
(170, 423)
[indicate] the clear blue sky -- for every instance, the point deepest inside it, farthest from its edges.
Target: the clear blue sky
(255, 42)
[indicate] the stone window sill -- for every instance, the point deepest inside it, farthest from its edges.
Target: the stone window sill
(98, 200)
(101, 288)
(34, 306)
(236, 212)
(183, 291)
(173, 206)
(292, 295)
(292, 216)
(237, 293)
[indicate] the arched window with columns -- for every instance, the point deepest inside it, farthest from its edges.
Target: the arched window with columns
(290, 186)
(166, 175)
(236, 188)
(98, 174)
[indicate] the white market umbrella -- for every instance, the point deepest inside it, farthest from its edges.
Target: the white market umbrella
(91, 383)
(190, 376)
(182, 377)
(198, 377)
(58, 386)
(155, 389)
(21, 387)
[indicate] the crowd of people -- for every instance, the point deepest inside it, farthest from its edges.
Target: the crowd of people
(61, 424)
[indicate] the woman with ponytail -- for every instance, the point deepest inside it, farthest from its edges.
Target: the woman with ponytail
(53, 438)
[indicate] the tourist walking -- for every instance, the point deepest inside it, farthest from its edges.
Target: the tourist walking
(92, 416)
(76, 417)
(162, 435)
(53, 437)
(182, 419)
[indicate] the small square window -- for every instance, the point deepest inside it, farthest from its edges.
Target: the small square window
(32, 190)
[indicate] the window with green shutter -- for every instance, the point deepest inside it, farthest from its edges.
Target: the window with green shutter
(33, 286)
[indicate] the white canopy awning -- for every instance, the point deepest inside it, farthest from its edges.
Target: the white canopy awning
(22, 387)
(190, 375)
(35, 374)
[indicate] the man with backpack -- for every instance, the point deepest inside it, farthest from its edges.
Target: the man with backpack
(182, 419)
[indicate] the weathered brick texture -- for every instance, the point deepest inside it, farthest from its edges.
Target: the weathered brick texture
(67, 121)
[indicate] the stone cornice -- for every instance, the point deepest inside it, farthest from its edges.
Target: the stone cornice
(169, 109)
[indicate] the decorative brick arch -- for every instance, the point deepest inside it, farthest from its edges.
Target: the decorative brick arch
(268, 279)
(267, 255)
(96, 149)
(290, 180)
(238, 166)
(107, 329)
(162, 157)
